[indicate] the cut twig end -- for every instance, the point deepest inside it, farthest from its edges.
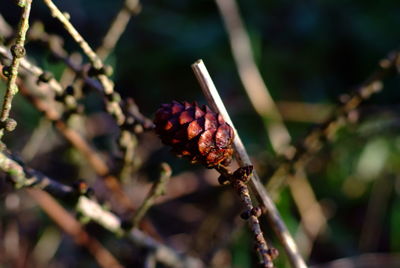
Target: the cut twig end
(197, 62)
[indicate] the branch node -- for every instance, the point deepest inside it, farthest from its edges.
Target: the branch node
(256, 212)
(245, 215)
(9, 125)
(7, 71)
(18, 51)
(45, 77)
(243, 173)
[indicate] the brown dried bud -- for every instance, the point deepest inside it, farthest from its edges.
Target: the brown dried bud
(45, 77)
(273, 252)
(195, 132)
(223, 180)
(10, 124)
(256, 211)
(114, 97)
(18, 51)
(245, 215)
(82, 187)
(243, 173)
(7, 71)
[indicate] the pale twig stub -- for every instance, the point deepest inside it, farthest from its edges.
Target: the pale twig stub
(279, 227)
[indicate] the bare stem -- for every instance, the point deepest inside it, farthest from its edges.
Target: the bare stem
(98, 164)
(258, 93)
(157, 190)
(56, 13)
(118, 26)
(250, 76)
(22, 176)
(73, 228)
(131, 111)
(314, 140)
(243, 159)
(112, 106)
(32, 69)
(238, 180)
(81, 144)
(18, 52)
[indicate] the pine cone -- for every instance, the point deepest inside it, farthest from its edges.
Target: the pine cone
(194, 132)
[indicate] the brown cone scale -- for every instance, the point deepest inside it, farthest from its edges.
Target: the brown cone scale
(195, 132)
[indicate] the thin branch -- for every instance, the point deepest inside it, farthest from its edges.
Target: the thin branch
(238, 180)
(243, 159)
(156, 191)
(150, 261)
(118, 26)
(112, 104)
(313, 220)
(304, 112)
(97, 163)
(108, 220)
(22, 176)
(250, 76)
(18, 52)
(378, 206)
(315, 139)
(129, 107)
(32, 69)
(56, 13)
(35, 143)
(261, 98)
(73, 228)
(364, 260)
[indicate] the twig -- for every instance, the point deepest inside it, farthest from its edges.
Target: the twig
(35, 143)
(313, 221)
(56, 13)
(261, 99)
(150, 261)
(162, 253)
(93, 158)
(97, 163)
(133, 117)
(314, 140)
(91, 209)
(21, 177)
(112, 103)
(156, 191)
(304, 112)
(73, 228)
(118, 26)
(375, 213)
(364, 260)
(243, 159)
(18, 52)
(131, 122)
(250, 76)
(130, 109)
(32, 69)
(238, 180)
(134, 121)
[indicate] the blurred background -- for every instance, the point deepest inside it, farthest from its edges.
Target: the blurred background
(308, 52)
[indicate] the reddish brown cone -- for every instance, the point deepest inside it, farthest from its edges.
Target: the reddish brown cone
(195, 132)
